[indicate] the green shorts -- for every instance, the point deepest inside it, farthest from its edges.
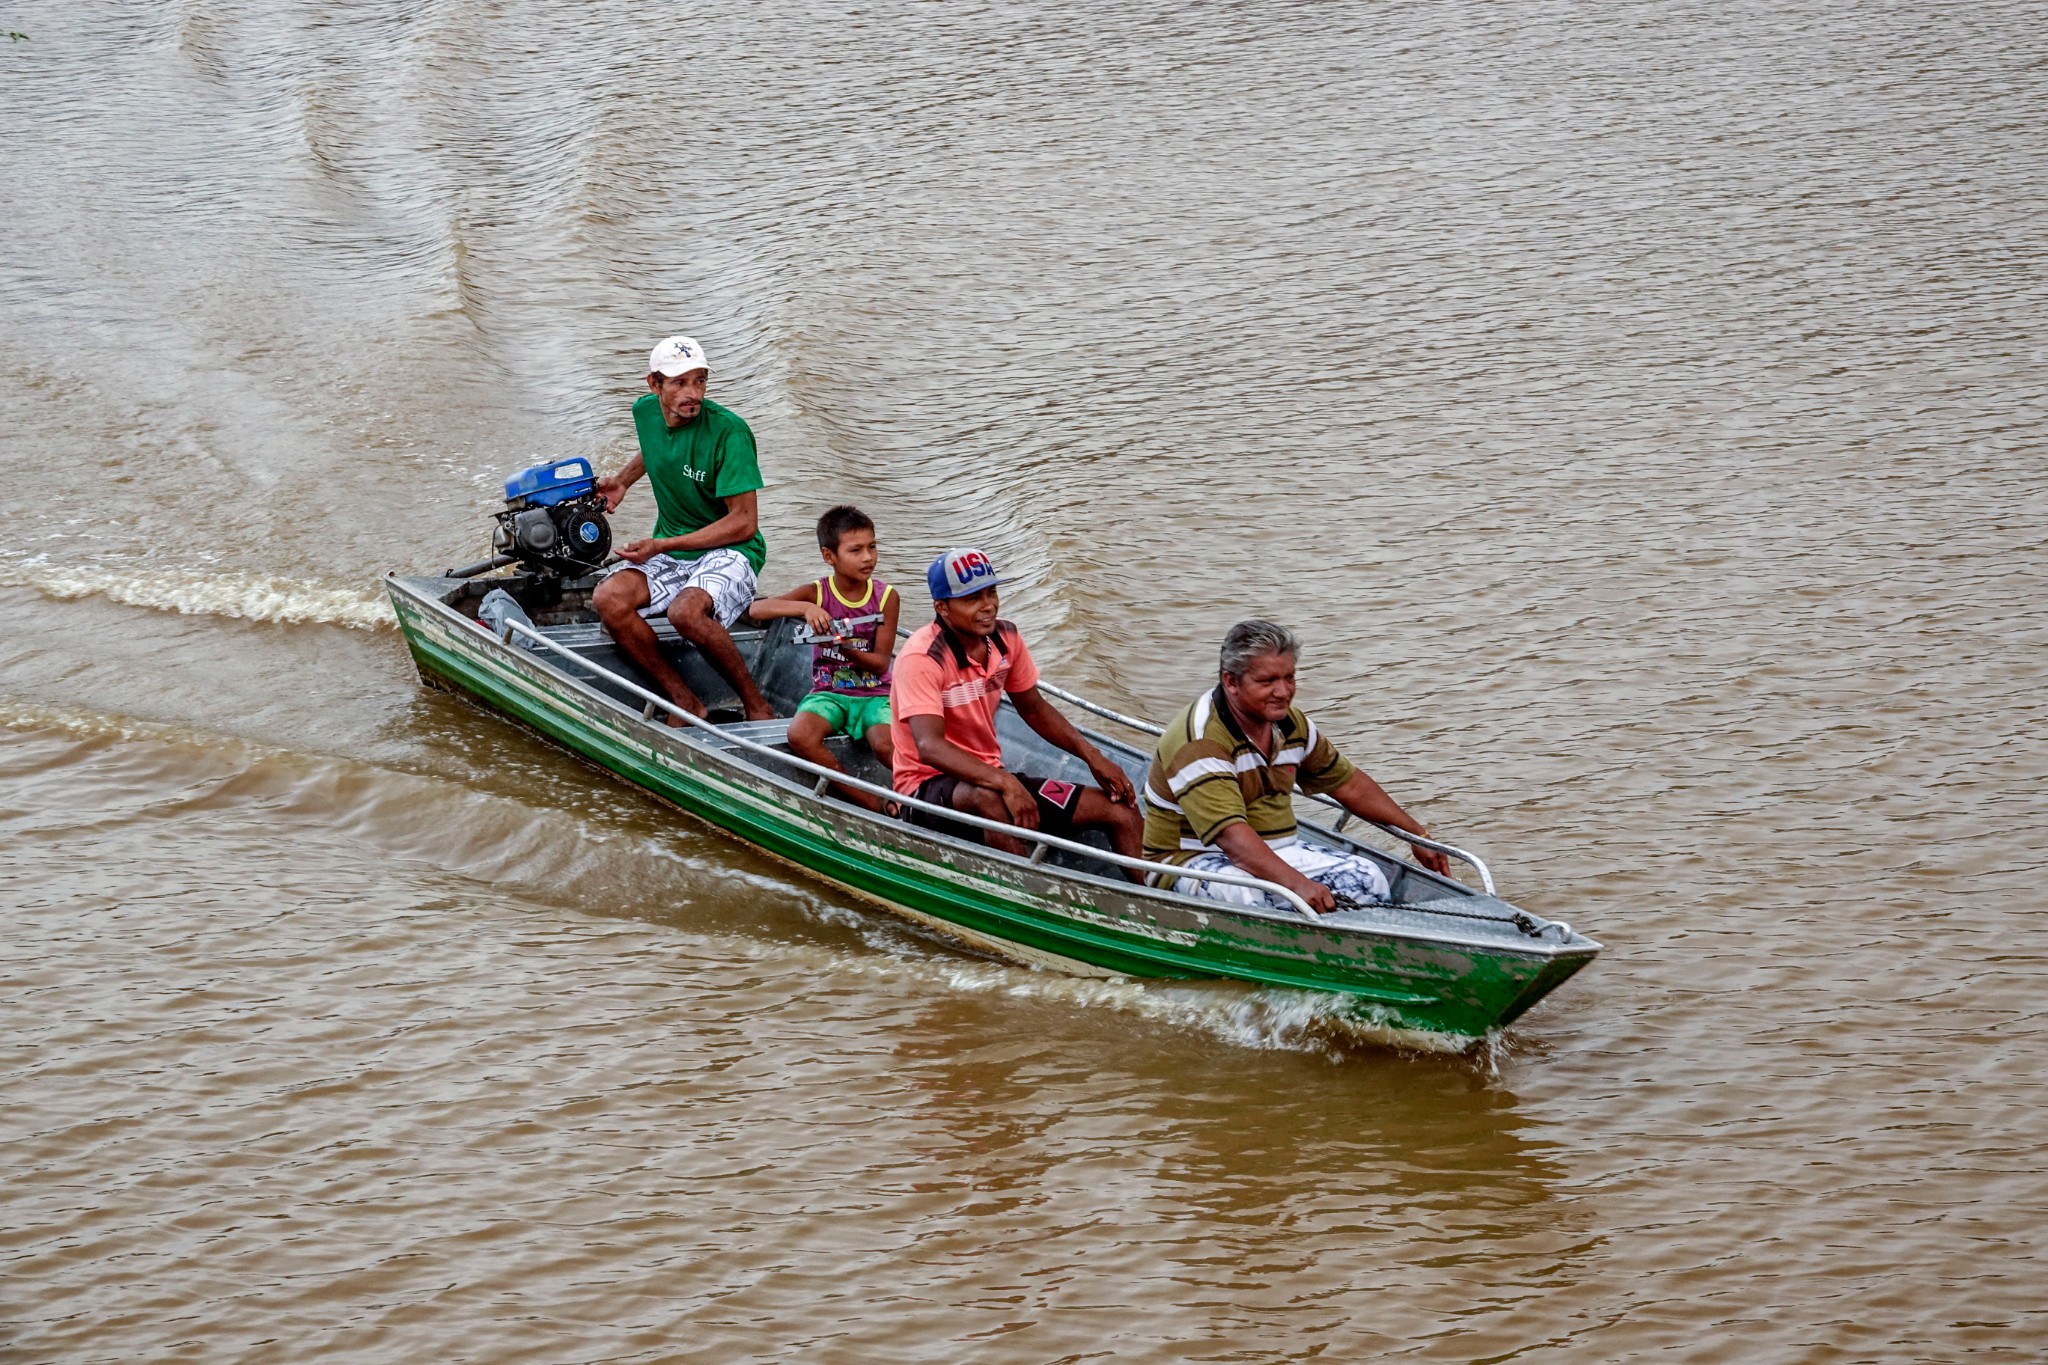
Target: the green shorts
(847, 715)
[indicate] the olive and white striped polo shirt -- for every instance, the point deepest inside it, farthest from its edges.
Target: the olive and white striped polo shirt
(1207, 775)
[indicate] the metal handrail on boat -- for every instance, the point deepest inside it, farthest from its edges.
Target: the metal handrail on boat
(1143, 726)
(1148, 728)
(834, 777)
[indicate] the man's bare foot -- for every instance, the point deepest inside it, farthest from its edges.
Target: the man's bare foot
(693, 706)
(762, 712)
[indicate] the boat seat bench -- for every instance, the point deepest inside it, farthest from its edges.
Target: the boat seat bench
(585, 636)
(852, 756)
(773, 733)
(590, 640)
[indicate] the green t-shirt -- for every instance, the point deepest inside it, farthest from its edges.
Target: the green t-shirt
(695, 468)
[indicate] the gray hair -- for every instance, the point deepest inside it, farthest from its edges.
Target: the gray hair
(1248, 640)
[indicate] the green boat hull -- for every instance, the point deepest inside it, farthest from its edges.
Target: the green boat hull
(1458, 985)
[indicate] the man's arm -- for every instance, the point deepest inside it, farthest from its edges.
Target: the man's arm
(742, 518)
(1042, 716)
(929, 733)
(1212, 807)
(613, 490)
(1249, 853)
(1364, 798)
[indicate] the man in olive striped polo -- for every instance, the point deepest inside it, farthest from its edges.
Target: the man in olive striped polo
(1220, 796)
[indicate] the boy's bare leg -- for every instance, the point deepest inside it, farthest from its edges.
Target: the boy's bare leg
(618, 601)
(691, 615)
(807, 734)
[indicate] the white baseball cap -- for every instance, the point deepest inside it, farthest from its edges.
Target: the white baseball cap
(677, 355)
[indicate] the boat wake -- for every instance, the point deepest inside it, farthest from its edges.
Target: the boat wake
(250, 597)
(1262, 1020)
(907, 960)
(1265, 1020)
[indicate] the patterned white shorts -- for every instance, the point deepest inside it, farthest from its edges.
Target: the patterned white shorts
(724, 573)
(1346, 874)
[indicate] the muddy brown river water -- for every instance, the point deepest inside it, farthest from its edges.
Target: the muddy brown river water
(1638, 407)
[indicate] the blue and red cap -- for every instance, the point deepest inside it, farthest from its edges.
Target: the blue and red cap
(959, 573)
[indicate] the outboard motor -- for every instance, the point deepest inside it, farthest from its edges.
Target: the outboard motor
(554, 521)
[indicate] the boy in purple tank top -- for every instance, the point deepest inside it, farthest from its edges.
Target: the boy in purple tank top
(850, 674)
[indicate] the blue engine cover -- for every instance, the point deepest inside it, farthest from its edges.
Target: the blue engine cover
(544, 485)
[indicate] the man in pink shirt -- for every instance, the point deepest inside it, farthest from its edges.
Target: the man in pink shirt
(950, 680)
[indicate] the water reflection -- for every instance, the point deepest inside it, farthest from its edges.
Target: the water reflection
(1234, 1131)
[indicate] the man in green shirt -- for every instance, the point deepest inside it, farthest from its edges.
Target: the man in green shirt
(1220, 796)
(699, 566)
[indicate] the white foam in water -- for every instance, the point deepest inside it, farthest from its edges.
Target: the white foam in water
(75, 724)
(1324, 1024)
(1264, 1019)
(206, 593)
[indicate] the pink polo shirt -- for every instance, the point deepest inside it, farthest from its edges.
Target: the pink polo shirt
(930, 681)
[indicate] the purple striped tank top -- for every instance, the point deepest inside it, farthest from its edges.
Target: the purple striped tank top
(830, 671)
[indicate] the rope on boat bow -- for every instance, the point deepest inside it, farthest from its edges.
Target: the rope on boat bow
(1521, 919)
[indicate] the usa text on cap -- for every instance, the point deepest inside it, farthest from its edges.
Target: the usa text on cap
(958, 573)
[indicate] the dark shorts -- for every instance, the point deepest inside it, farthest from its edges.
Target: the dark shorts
(1056, 803)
